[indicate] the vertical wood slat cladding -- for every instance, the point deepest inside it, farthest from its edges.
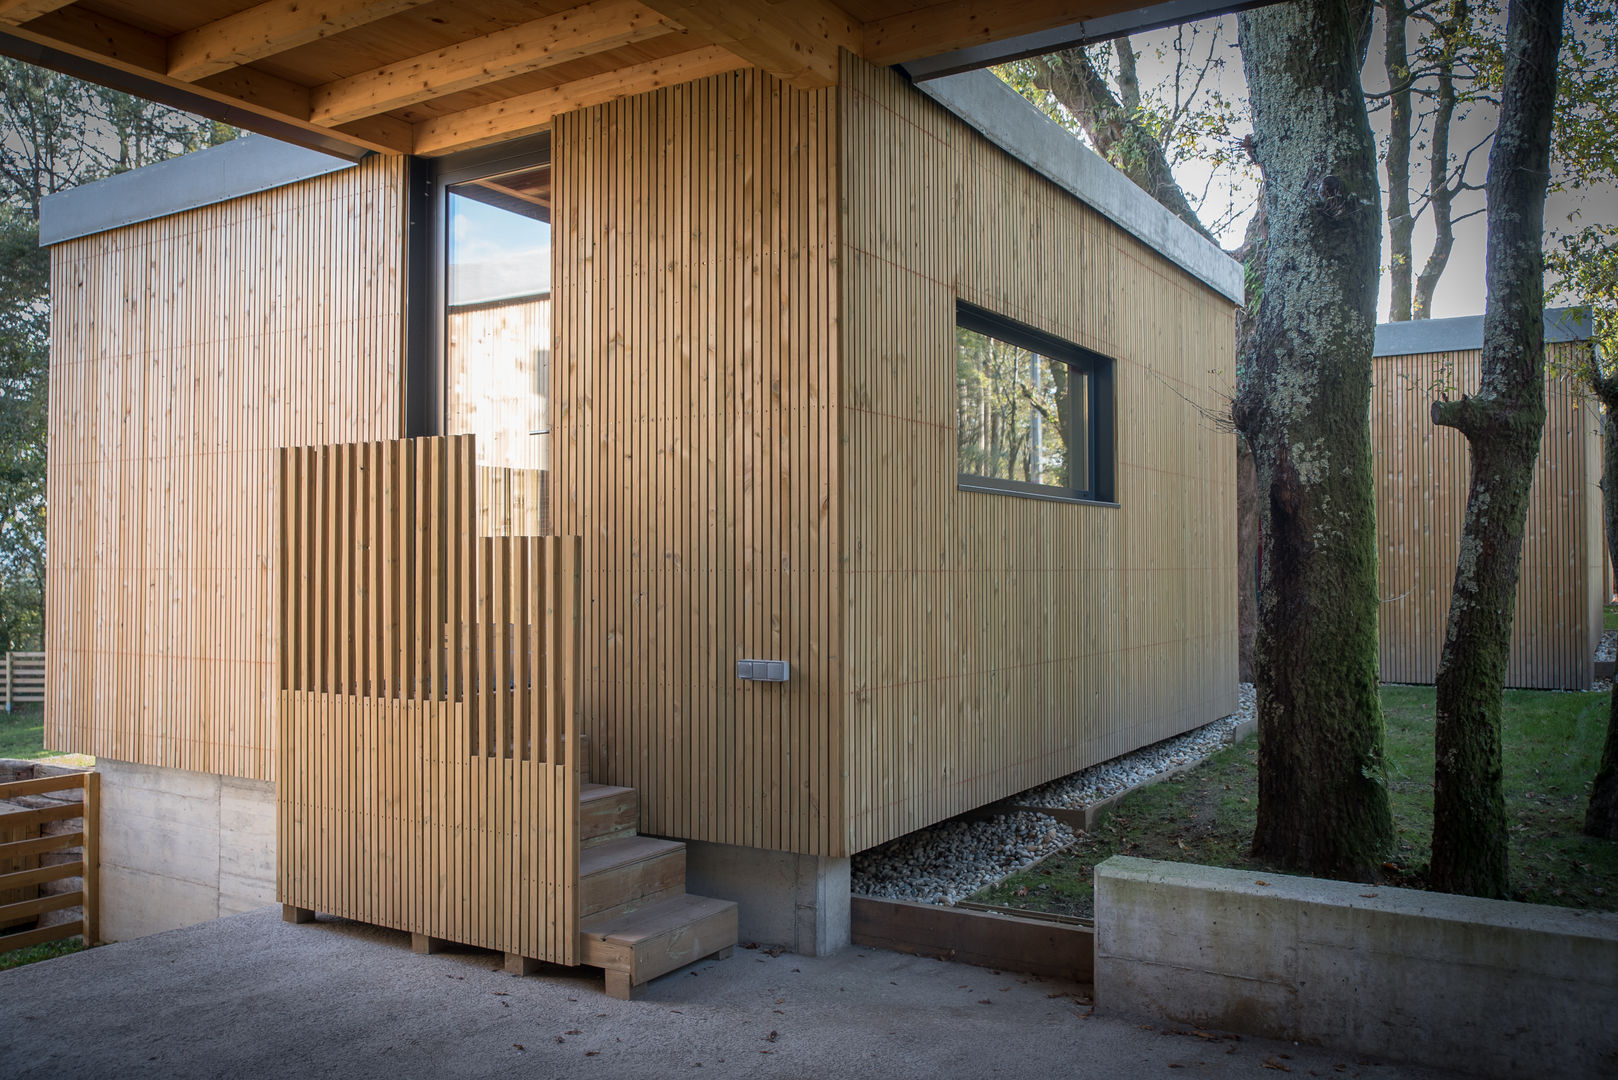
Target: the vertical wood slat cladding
(1422, 475)
(184, 352)
(696, 447)
(428, 703)
(996, 642)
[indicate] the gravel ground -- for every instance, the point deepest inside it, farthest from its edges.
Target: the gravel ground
(953, 859)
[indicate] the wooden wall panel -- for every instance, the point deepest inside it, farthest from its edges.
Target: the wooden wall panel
(696, 447)
(184, 352)
(1422, 473)
(995, 642)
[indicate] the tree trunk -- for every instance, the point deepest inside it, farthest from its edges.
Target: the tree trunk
(1401, 225)
(1305, 411)
(1601, 818)
(1440, 192)
(1502, 423)
(1247, 556)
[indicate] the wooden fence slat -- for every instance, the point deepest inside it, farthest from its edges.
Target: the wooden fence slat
(423, 808)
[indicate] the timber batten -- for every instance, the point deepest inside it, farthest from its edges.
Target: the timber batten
(184, 352)
(1422, 477)
(694, 406)
(994, 643)
(428, 728)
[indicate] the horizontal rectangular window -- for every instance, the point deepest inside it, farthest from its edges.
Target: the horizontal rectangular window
(1029, 411)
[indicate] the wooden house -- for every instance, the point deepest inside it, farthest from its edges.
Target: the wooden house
(696, 431)
(1422, 473)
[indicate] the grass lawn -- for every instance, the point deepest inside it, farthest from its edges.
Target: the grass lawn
(35, 953)
(22, 733)
(1206, 815)
(1609, 617)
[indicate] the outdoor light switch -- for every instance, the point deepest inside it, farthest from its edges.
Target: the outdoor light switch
(763, 670)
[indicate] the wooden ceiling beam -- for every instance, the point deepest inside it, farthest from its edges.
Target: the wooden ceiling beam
(267, 29)
(531, 46)
(116, 46)
(958, 24)
(532, 112)
(17, 12)
(797, 40)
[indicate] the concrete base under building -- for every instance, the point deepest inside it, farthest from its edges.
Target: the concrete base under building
(180, 848)
(797, 901)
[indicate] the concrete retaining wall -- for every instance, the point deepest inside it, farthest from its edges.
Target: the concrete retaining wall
(179, 847)
(1488, 987)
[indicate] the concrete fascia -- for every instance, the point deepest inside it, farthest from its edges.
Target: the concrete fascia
(1465, 333)
(1009, 121)
(244, 166)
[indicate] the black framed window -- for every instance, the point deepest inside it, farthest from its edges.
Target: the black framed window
(1033, 412)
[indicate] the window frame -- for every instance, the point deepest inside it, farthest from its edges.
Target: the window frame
(1097, 372)
(428, 303)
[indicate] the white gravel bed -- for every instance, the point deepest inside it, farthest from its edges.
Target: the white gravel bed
(953, 859)
(1608, 649)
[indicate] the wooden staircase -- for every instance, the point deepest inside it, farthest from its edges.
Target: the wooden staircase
(636, 921)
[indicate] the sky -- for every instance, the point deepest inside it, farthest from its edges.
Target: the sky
(1460, 289)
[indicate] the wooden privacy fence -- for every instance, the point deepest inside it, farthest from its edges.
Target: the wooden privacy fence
(428, 712)
(23, 678)
(25, 863)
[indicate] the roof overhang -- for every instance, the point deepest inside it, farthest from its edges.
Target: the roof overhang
(434, 77)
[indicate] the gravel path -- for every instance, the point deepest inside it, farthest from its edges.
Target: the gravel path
(953, 859)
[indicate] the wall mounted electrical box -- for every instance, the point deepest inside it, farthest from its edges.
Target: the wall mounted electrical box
(763, 670)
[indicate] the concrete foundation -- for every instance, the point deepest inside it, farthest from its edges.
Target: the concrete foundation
(180, 848)
(1488, 987)
(797, 901)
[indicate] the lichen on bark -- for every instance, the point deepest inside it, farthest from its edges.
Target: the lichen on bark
(1304, 409)
(1502, 423)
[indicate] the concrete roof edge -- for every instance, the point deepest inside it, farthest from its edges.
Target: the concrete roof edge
(1012, 123)
(1465, 333)
(244, 166)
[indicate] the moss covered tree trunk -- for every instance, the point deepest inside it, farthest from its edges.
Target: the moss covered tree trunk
(1502, 423)
(1601, 817)
(1305, 411)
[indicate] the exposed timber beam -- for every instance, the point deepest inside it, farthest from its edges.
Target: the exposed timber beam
(17, 12)
(267, 29)
(531, 46)
(114, 53)
(528, 113)
(795, 39)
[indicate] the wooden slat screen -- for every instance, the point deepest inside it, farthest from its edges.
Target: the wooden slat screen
(429, 724)
(996, 642)
(184, 352)
(1422, 474)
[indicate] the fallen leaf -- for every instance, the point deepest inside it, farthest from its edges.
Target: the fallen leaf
(575, 1031)
(1271, 1063)
(519, 1046)
(560, 1039)
(984, 1001)
(771, 1036)
(1368, 895)
(1266, 884)
(591, 1053)
(502, 993)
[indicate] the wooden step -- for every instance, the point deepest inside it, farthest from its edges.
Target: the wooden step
(606, 813)
(636, 948)
(629, 873)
